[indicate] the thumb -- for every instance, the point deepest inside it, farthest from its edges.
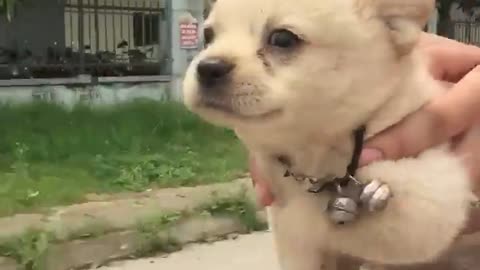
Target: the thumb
(417, 132)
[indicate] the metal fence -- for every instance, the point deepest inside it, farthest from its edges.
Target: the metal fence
(465, 32)
(101, 38)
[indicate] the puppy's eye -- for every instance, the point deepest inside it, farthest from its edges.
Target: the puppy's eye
(208, 35)
(283, 38)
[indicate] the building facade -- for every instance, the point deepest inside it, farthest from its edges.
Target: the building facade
(106, 42)
(62, 42)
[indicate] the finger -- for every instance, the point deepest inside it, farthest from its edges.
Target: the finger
(262, 190)
(459, 108)
(445, 117)
(415, 133)
(429, 39)
(453, 65)
(468, 149)
(449, 60)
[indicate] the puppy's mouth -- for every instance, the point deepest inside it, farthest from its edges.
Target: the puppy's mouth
(226, 107)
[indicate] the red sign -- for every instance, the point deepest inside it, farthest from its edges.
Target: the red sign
(188, 35)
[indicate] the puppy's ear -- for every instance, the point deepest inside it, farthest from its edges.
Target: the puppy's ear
(405, 20)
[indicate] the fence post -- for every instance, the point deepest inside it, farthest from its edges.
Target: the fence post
(81, 40)
(97, 32)
(168, 10)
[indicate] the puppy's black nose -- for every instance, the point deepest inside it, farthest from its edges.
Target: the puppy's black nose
(213, 70)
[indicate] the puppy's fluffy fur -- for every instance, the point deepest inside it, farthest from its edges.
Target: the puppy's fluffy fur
(355, 63)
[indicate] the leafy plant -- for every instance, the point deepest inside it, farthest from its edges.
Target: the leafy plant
(29, 250)
(239, 206)
(151, 240)
(20, 165)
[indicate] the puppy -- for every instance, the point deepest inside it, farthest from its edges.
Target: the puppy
(294, 79)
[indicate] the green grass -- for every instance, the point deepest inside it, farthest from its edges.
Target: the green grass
(51, 156)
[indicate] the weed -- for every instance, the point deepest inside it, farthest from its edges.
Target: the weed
(154, 234)
(29, 250)
(137, 176)
(238, 206)
(20, 165)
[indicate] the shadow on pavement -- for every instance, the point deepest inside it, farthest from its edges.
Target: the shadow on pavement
(465, 255)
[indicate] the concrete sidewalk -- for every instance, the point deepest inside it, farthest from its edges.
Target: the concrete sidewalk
(256, 252)
(252, 252)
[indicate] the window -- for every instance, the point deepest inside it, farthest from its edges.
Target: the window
(146, 29)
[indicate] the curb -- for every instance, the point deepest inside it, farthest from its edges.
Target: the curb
(97, 252)
(96, 233)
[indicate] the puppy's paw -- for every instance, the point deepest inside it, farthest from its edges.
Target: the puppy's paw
(375, 196)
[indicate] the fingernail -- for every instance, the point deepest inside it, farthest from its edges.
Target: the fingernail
(370, 155)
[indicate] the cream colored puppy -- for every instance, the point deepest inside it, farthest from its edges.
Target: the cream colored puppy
(295, 79)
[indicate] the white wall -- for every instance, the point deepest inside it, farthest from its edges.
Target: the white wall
(96, 95)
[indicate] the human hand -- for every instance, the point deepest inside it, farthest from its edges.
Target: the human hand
(451, 116)
(454, 116)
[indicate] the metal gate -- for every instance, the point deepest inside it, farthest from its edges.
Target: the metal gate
(102, 38)
(465, 32)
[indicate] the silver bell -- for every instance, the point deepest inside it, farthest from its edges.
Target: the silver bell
(342, 210)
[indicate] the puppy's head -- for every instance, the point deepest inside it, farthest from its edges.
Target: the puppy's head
(273, 62)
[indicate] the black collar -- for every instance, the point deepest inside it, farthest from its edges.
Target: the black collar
(319, 185)
(358, 137)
